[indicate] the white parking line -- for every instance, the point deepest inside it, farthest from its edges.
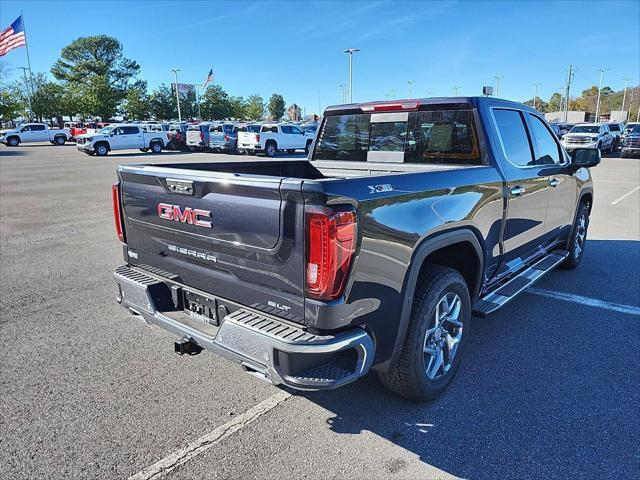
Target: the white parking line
(591, 302)
(204, 443)
(618, 200)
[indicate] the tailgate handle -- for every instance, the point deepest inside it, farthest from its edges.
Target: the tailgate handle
(182, 187)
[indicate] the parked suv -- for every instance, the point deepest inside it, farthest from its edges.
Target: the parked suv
(590, 135)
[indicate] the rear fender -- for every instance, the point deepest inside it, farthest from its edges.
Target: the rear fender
(424, 249)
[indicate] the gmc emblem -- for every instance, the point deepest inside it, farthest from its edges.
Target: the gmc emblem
(193, 216)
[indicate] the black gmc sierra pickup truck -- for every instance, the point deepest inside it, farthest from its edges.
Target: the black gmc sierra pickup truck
(407, 219)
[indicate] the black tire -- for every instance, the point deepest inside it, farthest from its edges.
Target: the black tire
(307, 147)
(60, 140)
(409, 376)
(13, 141)
(578, 238)
(144, 150)
(101, 149)
(156, 147)
(270, 149)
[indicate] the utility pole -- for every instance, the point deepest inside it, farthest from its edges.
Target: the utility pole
(26, 86)
(535, 93)
(387, 95)
(350, 52)
(393, 94)
(601, 70)
(624, 96)
(455, 91)
(497, 76)
(566, 96)
(175, 74)
(411, 82)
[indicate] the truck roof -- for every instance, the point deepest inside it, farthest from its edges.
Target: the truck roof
(416, 103)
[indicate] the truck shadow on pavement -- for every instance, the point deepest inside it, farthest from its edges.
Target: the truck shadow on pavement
(547, 388)
(11, 153)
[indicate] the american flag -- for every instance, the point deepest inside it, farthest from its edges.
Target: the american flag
(12, 37)
(209, 78)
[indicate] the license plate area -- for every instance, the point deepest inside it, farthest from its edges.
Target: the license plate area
(201, 308)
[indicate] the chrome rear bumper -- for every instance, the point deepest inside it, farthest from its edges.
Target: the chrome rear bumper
(274, 350)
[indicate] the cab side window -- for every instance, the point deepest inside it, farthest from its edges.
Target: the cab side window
(36, 128)
(547, 151)
(286, 129)
(513, 136)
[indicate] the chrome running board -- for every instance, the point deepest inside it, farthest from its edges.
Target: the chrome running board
(506, 292)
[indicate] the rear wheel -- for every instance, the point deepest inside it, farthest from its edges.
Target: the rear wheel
(437, 335)
(271, 149)
(60, 140)
(156, 147)
(578, 240)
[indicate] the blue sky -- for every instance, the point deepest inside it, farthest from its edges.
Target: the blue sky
(295, 48)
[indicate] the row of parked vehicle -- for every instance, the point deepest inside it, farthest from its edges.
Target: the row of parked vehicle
(607, 137)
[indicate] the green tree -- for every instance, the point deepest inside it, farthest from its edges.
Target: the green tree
(96, 66)
(237, 107)
(540, 104)
(554, 103)
(163, 103)
(215, 103)
(10, 105)
(254, 107)
(137, 105)
(276, 106)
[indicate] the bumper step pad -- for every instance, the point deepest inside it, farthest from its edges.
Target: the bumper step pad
(518, 284)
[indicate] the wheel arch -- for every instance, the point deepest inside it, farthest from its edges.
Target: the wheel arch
(438, 250)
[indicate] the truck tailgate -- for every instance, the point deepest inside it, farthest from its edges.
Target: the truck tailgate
(233, 236)
(247, 138)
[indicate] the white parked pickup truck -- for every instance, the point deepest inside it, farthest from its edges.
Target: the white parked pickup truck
(272, 138)
(35, 132)
(122, 137)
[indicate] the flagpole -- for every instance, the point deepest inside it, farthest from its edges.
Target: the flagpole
(26, 45)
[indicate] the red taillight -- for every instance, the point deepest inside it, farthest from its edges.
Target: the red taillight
(226, 137)
(331, 243)
(257, 137)
(201, 136)
(117, 217)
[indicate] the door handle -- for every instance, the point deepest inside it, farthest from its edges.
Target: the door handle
(517, 191)
(554, 182)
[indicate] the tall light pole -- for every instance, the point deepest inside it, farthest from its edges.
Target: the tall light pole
(350, 52)
(497, 76)
(393, 93)
(411, 82)
(343, 93)
(535, 93)
(601, 70)
(387, 95)
(455, 91)
(175, 74)
(26, 86)
(624, 96)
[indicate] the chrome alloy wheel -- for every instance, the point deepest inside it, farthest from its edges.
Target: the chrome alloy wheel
(581, 235)
(443, 337)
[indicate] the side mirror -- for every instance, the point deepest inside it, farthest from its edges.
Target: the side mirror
(112, 133)
(585, 158)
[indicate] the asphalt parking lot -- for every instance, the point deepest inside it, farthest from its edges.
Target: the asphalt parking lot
(549, 387)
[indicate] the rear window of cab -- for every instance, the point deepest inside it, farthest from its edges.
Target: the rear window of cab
(429, 137)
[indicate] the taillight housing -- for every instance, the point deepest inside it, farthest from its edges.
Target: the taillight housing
(226, 137)
(201, 135)
(332, 236)
(117, 212)
(257, 137)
